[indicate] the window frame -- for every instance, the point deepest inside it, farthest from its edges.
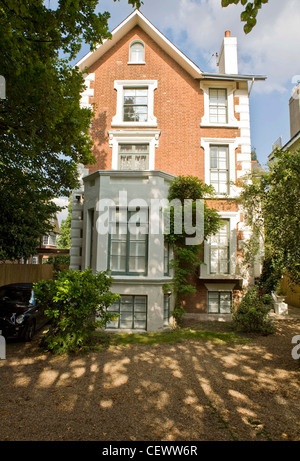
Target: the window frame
(222, 123)
(134, 154)
(220, 247)
(132, 44)
(120, 86)
(219, 293)
(167, 252)
(134, 104)
(167, 309)
(44, 238)
(219, 170)
(230, 87)
(119, 302)
(128, 242)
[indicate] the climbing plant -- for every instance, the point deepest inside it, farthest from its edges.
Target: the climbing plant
(187, 257)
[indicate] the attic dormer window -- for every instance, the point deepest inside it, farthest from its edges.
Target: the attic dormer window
(137, 52)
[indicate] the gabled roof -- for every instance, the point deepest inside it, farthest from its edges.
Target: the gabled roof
(138, 19)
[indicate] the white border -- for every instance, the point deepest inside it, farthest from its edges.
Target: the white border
(232, 144)
(230, 87)
(150, 137)
(234, 219)
(119, 86)
(130, 45)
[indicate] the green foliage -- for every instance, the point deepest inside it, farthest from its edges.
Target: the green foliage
(252, 313)
(254, 154)
(186, 260)
(76, 305)
(44, 133)
(64, 238)
(270, 276)
(272, 205)
(175, 336)
(58, 260)
(250, 13)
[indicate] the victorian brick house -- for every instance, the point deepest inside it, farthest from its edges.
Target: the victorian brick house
(157, 115)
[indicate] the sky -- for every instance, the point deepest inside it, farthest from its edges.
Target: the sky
(197, 28)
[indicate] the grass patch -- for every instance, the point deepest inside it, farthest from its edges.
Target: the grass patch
(100, 341)
(174, 336)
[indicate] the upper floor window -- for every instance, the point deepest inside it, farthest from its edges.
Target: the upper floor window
(135, 105)
(133, 156)
(46, 240)
(137, 53)
(219, 169)
(218, 106)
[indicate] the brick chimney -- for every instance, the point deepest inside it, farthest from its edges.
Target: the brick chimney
(228, 59)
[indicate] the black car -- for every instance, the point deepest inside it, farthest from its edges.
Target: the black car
(20, 314)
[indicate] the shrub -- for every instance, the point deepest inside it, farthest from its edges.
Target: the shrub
(252, 314)
(76, 305)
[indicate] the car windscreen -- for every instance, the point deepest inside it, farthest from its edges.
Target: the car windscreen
(15, 295)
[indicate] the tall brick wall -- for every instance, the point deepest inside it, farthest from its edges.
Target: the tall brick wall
(178, 107)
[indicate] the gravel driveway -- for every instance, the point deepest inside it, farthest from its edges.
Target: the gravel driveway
(183, 392)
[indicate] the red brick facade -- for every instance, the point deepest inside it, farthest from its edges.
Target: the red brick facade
(178, 106)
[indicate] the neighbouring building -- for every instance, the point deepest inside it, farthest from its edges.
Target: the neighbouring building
(294, 142)
(158, 116)
(47, 245)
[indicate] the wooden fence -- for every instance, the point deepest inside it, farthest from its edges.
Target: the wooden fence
(292, 292)
(27, 273)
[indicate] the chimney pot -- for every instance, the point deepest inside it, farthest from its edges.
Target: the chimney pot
(227, 33)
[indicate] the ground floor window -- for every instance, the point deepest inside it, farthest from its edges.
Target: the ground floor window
(131, 312)
(167, 304)
(219, 302)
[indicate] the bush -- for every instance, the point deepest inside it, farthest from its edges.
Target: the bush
(76, 305)
(252, 314)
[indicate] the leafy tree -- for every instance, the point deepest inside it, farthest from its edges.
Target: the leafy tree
(77, 304)
(272, 204)
(187, 258)
(254, 155)
(250, 13)
(64, 238)
(44, 133)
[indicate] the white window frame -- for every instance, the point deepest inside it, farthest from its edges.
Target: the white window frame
(134, 42)
(117, 137)
(44, 239)
(232, 122)
(234, 219)
(120, 85)
(232, 144)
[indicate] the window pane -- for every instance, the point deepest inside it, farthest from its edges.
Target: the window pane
(218, 106)
(128, 250)
(223, 189)
(142, 92)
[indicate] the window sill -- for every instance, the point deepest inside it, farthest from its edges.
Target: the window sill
(136, 63)
(219, 125)
(220, 277)
(134, 124)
